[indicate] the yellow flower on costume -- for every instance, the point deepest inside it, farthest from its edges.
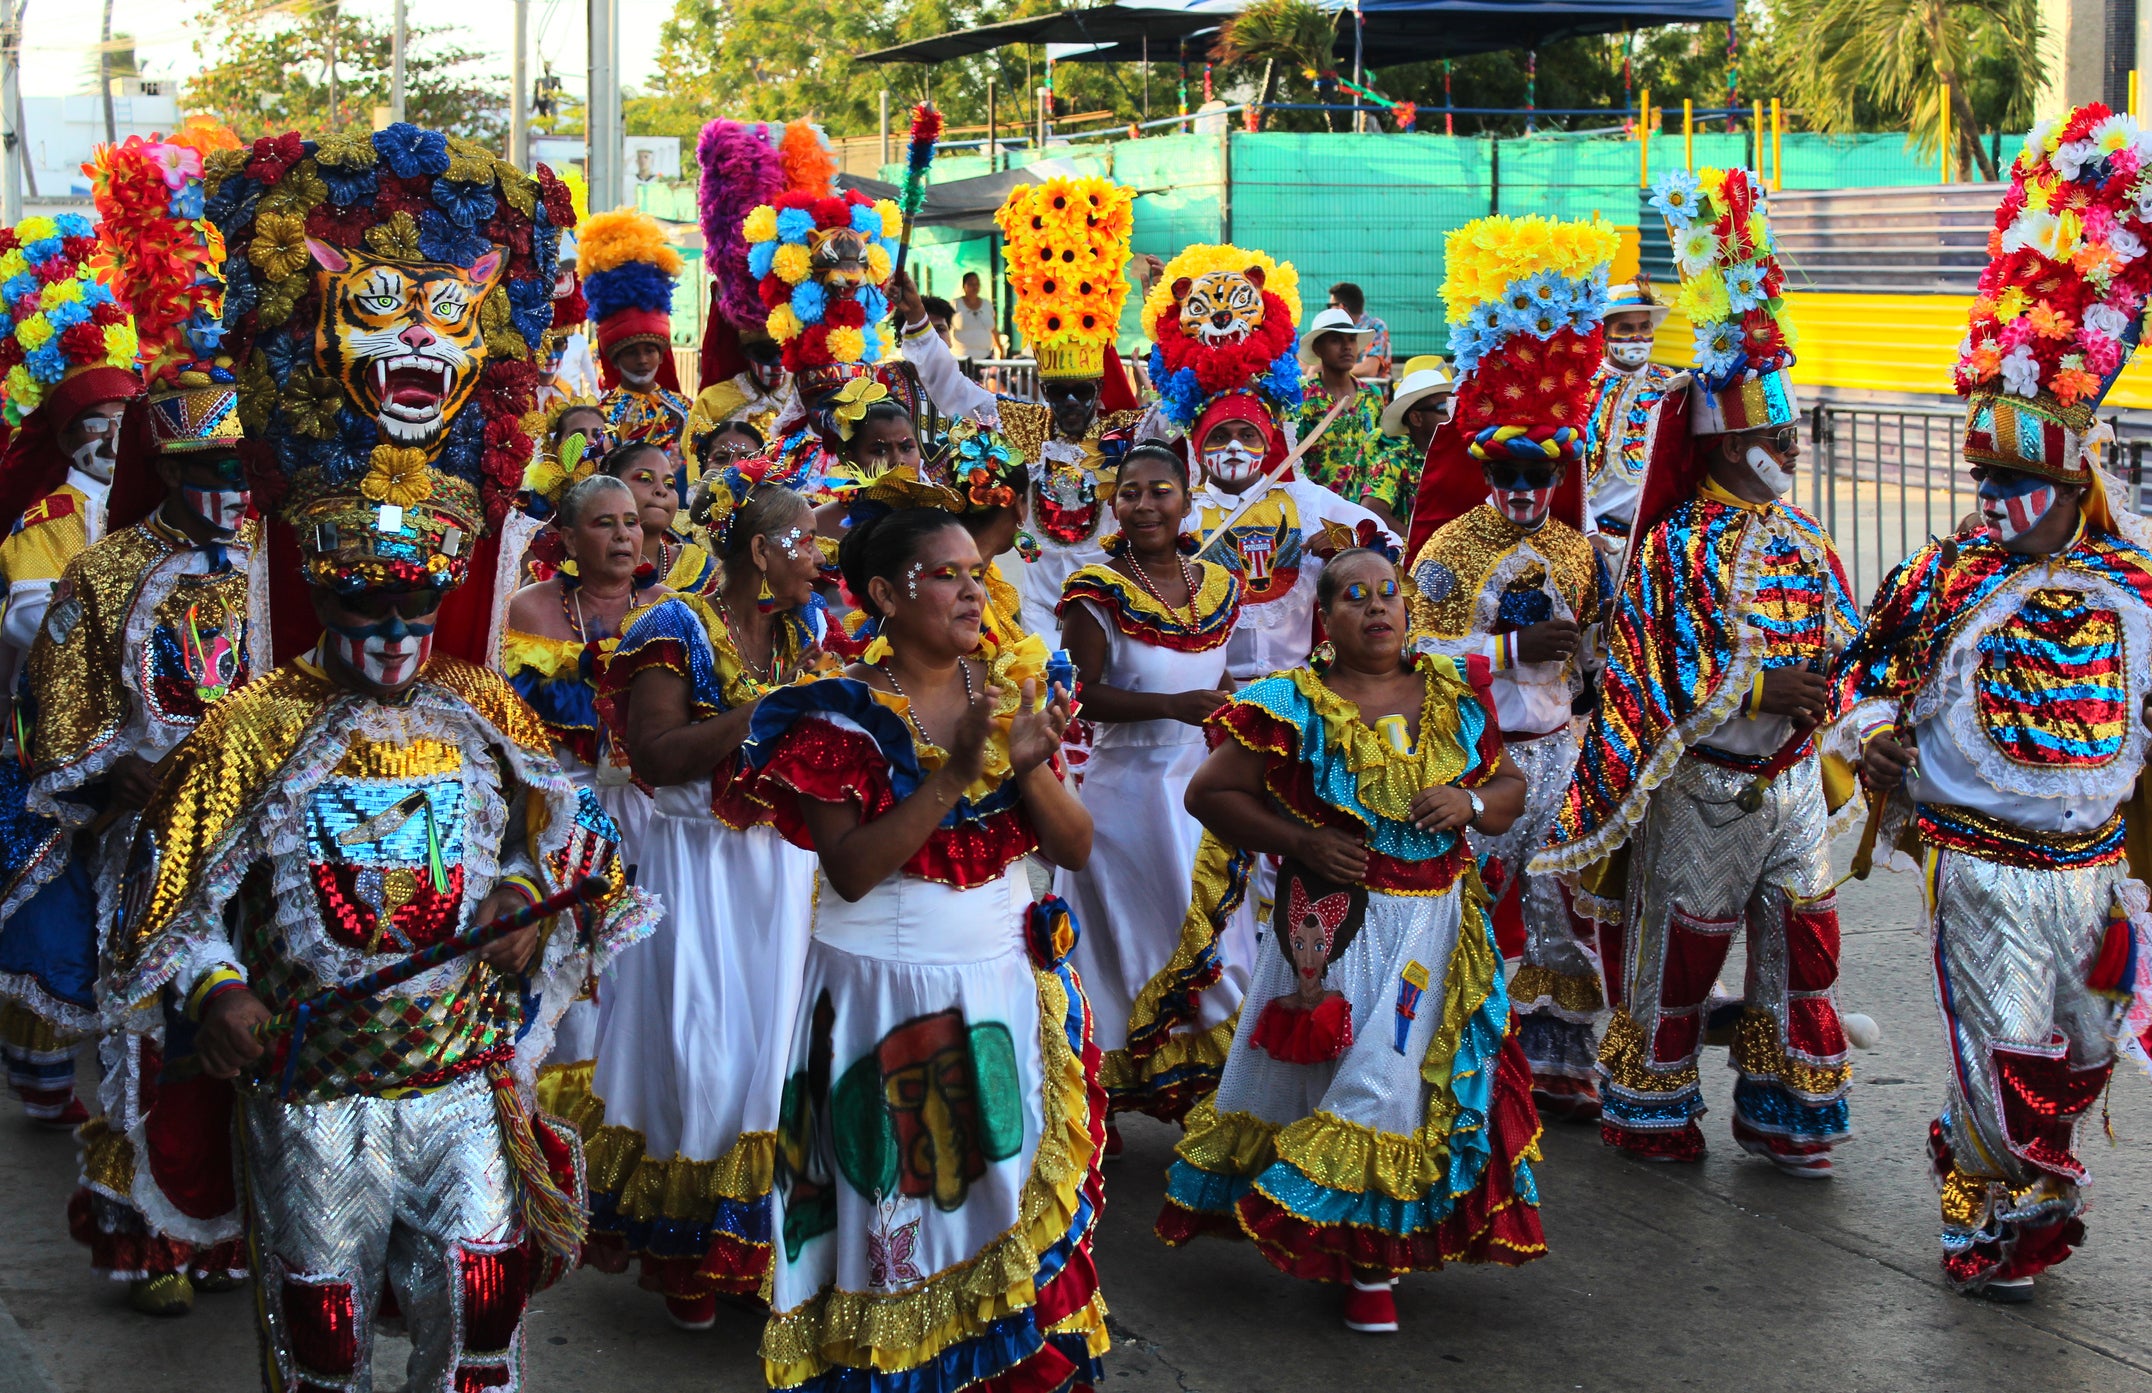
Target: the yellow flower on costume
(121, 344)
(847, 345)
(761, 225)
(892, 217)
(879, 265)
(396, 474)
(62, 292)
(20, 386)
(1703, 299)
(36, 229)
(13, 263)
(853, 399)
(783, 324)
(279, 246)
(34, 333)
(877, 650)
(793, 263)
(396, 239)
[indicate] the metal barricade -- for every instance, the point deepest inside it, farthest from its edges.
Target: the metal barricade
(1011, 377)
(1884, 479)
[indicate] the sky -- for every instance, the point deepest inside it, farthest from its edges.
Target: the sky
(59, 34)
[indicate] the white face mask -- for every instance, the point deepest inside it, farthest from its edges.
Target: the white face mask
(1629, 354)
(1773, 476)
(385, 662)
(98, 455)
(222, 509)
(1235, 464)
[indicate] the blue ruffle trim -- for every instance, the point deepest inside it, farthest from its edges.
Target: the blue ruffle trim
(748, 1221)
(672, 621)
(1638, 1113)
(52, 937)
(1772, 1110)
(563, 703)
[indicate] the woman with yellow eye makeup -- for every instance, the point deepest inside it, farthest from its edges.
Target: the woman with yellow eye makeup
(677, 562)
(1147, 630)
(937, 1151)
(690, 1054)
(1375, 1113)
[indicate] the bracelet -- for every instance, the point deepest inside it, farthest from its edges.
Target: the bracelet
(523, 884)
(214, 984)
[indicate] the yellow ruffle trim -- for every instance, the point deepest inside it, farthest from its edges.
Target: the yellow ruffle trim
(1575, 995)
(25, 1030)
(1211, 886)
(1214, 589)
(1122, 1074)
(1386, 780)
(1007, 668)
(1624, 1054)
(550, 658)
(563, 1092)
(902, 1330)
(108, 1161)
(1757, 1053)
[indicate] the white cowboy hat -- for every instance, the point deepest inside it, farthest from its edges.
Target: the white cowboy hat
(1631, 296)
(1333, 321)
(1423, 378)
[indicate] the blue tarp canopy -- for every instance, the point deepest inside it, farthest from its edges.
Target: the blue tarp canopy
(1395, 31)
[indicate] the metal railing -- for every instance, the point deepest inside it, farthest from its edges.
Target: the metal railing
(1883, 480)
(1011, 377)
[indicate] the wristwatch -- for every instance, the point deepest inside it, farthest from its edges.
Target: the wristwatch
(1479, 809)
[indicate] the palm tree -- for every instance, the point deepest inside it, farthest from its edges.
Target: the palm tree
(1902, 56)
(1297, 33)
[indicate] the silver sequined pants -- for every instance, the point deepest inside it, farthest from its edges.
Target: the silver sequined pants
(413, 1196)
(2031, 1044)
(1556, 990)
(1701, 870)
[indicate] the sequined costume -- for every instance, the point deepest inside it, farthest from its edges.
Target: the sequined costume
(1144, 846)
(307, 835)
(1622, 431)
(1389, 1129)
(147, 631)
(1478, 581)
(937, 1151)
(659, 416)
(1719, 593)
(681, 1125)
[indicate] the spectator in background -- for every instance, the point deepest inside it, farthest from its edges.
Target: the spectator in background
(940, 316)
(1354, 459)
(1375, 349)
(972, 328)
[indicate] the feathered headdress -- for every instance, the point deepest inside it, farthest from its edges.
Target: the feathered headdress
(1730, 283)
(1524, 298)
(2062, 301)
(168, 262)
(1221, 321)
(1067, 247)
(823, 265)
(741, 169)
(628, 270)
(387, 474)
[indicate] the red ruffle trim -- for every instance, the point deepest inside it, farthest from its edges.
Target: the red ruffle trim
(1293, 1034)
(144, 1254)
(730, 1268)
(617, 674)
(1686, 1144)
(815, 759)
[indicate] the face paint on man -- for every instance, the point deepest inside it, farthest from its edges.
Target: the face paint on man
(222, 509)
(2013, 503)
(1234, 464)
(1629, 354)
(1522, 494)
(100, 454)
(388, 652)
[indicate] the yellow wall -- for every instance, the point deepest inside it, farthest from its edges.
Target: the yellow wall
(1886, 343)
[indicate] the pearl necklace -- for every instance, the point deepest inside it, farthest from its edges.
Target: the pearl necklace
(910, 712)
(1188, 578)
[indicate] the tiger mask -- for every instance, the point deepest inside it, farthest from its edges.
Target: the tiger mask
(402, 336)
(1221, 307)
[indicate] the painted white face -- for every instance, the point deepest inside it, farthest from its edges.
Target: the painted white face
(1629, 354)
(1234, 464)
(1769, 471)
(98, 455)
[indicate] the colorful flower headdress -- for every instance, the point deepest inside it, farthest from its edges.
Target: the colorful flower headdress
(1221, 321)
(1525, 297)
(2062, 301)
(551, 475)
(168, 262)
(58, 320)
(389, 466)
(982, 467)
(1067, 248)
(823, 266)
(628, 270)
(1730, 286)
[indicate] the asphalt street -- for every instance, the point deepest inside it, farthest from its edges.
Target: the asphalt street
(1723, 1276)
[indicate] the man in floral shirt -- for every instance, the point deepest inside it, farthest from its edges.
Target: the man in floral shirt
(1354, 459)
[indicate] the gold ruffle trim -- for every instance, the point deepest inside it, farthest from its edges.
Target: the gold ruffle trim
(1210, 888)
(25, 1030)
(1625, 1055)
(1122, 1074)
(902, 1330)
(1386, 780)
(1573, 994)
(108, 1162)
(1757, 1053)
(563, 1092)
(616, 1162)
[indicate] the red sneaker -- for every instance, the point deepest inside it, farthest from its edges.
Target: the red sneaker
(698, 1313)
(1370, 1308)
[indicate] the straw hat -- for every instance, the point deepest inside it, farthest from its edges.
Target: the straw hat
(1423, 378)
(1333, 321)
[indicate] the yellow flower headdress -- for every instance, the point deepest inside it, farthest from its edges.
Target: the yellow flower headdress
(1067, 250)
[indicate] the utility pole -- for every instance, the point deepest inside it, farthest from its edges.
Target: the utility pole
(336, 112)
(13, 149)
(519, 109)
(601, 120)
(104, 76)
(396, 66)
